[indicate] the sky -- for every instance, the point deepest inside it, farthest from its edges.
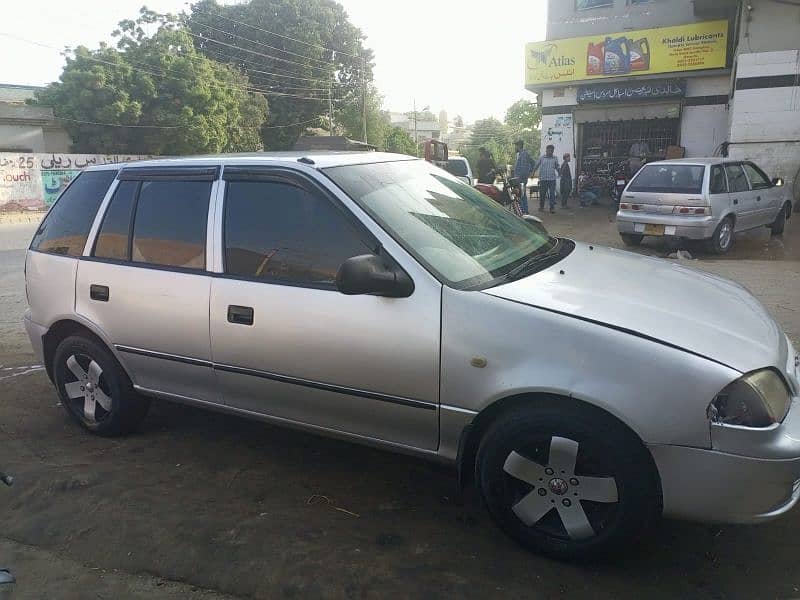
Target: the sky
(464, 57)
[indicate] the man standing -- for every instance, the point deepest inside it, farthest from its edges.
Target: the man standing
(566, 180)
(486, 166)
(522, 170)
(547, 166)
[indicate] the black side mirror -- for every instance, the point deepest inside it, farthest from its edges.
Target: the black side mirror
(536, 223)
(777, 181)
(369, 274)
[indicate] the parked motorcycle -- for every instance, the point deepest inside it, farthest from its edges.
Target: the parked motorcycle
(507, 195)
(619, 180)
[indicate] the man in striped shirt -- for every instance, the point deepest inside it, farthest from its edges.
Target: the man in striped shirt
(547, 166)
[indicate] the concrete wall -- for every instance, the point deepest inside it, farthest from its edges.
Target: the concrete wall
(769, 26)
(563, 20)
(21, 138)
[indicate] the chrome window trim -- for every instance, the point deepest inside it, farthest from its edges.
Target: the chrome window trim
(98, 218)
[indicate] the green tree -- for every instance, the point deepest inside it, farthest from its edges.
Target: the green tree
(196, 105)
(350, 119)
(524, 119)
(299, 52)
(398, 140)
(492, 135)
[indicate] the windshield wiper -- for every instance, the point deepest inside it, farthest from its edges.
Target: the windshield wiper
(533, 261)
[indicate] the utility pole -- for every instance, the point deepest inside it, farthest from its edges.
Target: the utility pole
(416, 142)
(330, 109)
(364, 97)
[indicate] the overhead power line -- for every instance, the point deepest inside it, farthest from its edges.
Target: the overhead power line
(286, 37)
(120, 125)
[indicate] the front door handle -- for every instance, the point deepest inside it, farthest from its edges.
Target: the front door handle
(240, 315)
(758, 198)
(99, 292)
(736, 201)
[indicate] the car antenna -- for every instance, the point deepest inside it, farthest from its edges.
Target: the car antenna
(305, 160)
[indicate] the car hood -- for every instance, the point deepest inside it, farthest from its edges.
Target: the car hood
(659, 299)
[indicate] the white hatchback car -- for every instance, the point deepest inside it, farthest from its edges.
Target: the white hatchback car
(377, 298)
(701, 199)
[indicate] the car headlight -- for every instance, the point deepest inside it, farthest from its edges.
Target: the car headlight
(757, 399)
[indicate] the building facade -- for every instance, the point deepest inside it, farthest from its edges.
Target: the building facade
(28, 128)
(666, 78)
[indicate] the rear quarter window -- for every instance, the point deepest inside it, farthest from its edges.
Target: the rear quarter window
(669, 179)
(66, 227)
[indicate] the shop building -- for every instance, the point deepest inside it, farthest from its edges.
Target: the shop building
(663, 78)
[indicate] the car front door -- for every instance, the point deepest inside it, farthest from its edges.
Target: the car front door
(767, 201)
(287, 344)
(742, 199)
(144, 282)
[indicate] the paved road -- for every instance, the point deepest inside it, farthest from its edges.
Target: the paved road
(203, 505)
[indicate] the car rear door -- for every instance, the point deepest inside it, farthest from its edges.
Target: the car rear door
(144, 281)
(741, 197)
(288, 345)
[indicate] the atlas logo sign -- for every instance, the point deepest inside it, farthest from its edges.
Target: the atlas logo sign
(548, 57)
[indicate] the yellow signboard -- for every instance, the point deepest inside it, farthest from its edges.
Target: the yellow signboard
(688, 47)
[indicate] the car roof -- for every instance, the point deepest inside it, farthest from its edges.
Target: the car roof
(709, 160)
(318, 159)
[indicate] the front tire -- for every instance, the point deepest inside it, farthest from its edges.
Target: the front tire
(94, 389)
(722, 240)
(567, 481)
(631, 239)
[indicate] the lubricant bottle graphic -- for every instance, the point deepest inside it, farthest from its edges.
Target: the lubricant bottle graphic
(594, 59)
(616, 56)
(639, 55)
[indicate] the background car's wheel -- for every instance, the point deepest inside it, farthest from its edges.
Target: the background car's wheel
(722, 240)
(779, 224)
(94, 389)
(567, 481)
(631, 239)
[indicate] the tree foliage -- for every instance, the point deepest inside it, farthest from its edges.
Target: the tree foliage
(296, 51)
(524, 119)
(197, 104)
(492, 135)
(398, 140)
(350, 119)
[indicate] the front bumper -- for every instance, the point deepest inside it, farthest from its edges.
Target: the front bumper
(693, 228)
(725, 485)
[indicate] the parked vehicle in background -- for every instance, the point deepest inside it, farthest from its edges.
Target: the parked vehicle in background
(701, 199)
(379, 299)
(459, 166)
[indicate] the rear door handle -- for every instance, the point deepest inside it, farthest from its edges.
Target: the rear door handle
(99, 292)
(240, 315)
(758, 198)
(736, 201)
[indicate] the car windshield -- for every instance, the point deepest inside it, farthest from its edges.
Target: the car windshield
(466, 239)
(457, 167)
(668, 178)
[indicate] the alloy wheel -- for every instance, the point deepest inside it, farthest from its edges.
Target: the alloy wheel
(725, 233)
(559, 494)
(88, 393)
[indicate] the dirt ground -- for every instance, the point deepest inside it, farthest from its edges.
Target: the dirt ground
(200, 505)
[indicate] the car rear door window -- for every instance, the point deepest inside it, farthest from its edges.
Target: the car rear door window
(278, 232)
(113, 240)
(758, 180)
(66, 227)
(737, 181)
(170, 224)
(718, 183)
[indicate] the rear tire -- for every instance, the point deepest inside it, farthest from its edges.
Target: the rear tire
(779, 224)
(567, 481)
(631, 239)
(722, 240)
(94, 389)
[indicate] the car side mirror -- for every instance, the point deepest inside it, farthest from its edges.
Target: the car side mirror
(536, 223)
(370, 274)
(777, 181)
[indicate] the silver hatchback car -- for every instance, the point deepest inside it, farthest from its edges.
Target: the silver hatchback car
(586, 391)
(701, 199)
